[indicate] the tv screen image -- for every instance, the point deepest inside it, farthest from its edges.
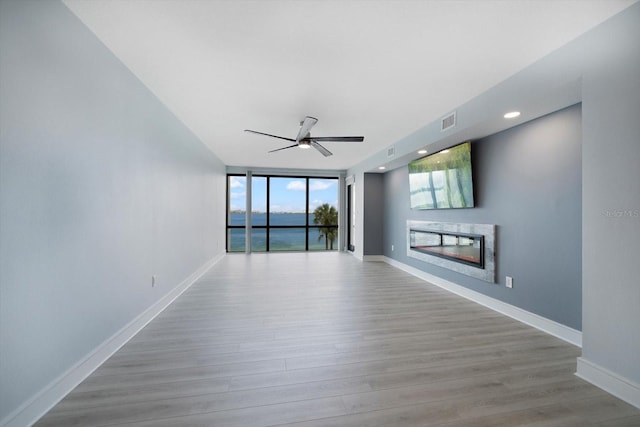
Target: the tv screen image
(442, 180)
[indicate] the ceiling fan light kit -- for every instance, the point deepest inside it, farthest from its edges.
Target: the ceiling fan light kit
(305, 140)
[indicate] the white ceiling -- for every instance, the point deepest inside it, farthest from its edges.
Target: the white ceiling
(381, 69)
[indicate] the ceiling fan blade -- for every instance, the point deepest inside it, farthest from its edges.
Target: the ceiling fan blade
(284, 148)
(305, 127)
(272, 136)
(335, 138)
(321, 149)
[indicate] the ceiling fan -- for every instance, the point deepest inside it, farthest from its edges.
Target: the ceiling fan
(305, 140)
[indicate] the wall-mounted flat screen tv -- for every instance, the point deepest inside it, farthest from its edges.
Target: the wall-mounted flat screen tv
(442, 180)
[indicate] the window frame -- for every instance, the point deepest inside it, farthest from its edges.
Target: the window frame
(308, 226)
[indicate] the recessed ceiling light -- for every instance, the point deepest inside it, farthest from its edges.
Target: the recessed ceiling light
(512, 114)
(444, 151)
(381, 168)
(422, 152)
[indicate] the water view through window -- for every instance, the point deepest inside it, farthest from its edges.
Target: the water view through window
(287, 213)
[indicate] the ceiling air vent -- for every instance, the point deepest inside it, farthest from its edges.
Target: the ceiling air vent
(391, 152)
(448, 122)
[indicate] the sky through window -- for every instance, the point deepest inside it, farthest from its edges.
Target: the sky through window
(287, 194)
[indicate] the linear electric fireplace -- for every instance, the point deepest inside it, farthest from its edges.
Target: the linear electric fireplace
(465, 248)
(458, 247)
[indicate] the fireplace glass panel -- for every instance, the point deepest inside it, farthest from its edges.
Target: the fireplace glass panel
(459, 247)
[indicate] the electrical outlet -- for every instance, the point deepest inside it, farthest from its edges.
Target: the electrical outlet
(392, 248)
(509, 283)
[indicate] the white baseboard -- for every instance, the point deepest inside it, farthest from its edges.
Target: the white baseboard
(32, 410)
(556, 329)
(608, 381)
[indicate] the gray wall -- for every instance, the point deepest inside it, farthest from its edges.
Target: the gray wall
(611, 197)
(373, 213)
(527, 181)
(101, 187)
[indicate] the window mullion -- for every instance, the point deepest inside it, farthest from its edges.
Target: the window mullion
(268, 220)
(306, 216)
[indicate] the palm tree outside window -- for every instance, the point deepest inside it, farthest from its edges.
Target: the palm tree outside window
(326, 216)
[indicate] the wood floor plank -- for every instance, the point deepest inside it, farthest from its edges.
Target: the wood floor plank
(201, 357)
(552, 415)
(206, 403)
(84, 401)
(632, 421)
(602, 408)
(255, 416)
(98, 382)
(322, 339)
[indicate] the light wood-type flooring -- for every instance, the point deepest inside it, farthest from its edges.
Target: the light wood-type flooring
(322, 339)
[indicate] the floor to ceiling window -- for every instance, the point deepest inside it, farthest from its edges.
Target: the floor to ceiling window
(287, 213)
